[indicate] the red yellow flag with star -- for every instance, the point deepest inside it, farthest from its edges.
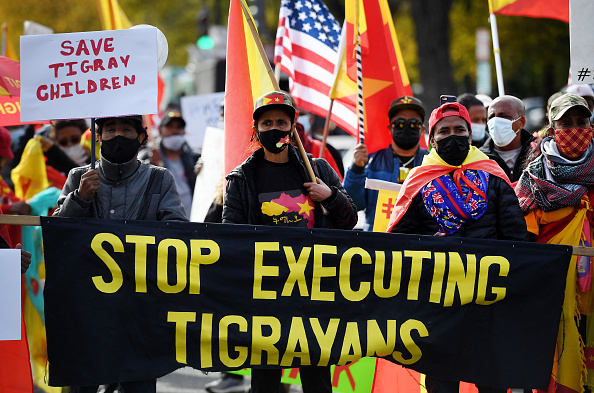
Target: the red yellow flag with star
(247, 79)
(384, 73)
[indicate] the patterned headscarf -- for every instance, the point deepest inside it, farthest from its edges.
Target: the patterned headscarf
(550, 184)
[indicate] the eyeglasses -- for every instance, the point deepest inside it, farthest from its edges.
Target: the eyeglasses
(65, 141)
(413, 124)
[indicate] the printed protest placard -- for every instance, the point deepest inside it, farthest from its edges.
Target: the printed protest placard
(10, 294)
(200, 112)
(581, 13)
(91, 74)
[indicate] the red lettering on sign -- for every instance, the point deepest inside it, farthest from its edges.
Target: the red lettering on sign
(129, 81)
(125, 60)
(54, 91)
(67, 92)
(108, 47)
(96, 49)
(103, 84)
(98, 65)
(69, 49)
(92, 86)
(115, 82)
(70, 68)
(41, 94)
(339, 370)
(78, 91)
(86, 66)
(56, 67)
(82, 47)
(112, 63)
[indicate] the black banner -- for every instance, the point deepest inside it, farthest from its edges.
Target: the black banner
(137, 300)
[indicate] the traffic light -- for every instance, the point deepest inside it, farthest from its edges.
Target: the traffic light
(202, 21)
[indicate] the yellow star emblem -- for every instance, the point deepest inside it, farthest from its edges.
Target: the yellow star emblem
(305, 207)
(406, 100)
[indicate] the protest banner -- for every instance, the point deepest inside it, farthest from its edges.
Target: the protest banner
(199, 113)
(10, 294)
(88, 75)
(132, 300)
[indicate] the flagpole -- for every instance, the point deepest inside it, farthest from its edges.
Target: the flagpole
(360, 90)
(496, 50)
(93, 143)
(326, 128)
(256, 37)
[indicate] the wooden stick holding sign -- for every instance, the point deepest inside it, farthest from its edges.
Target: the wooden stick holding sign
(250, 20)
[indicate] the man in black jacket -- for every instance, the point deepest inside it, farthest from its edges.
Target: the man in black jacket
(508, 143)
(457, 191)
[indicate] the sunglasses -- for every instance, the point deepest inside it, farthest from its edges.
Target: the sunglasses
(64, 141)
(413, 124)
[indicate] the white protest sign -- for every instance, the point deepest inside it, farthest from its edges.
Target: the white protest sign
(213, 158)
(10, 294)
(200, 112)
(581, 47)
(92, 74)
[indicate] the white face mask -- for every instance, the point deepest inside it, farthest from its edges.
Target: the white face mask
(173, 142)
(76, 153)
(501, 130)
(478, 131)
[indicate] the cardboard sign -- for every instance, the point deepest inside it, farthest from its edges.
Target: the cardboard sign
(10, 294)
(92, 74)
(200, 112)
(581, 13)
(211, 173)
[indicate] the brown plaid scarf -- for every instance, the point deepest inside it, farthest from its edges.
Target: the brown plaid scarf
(569, 184)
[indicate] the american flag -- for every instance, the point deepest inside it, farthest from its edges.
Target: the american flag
(307, 42)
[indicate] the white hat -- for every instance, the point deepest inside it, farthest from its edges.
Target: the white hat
(580, 90)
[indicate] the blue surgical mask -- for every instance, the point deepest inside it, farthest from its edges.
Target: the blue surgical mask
(501, 130)
(478, 131)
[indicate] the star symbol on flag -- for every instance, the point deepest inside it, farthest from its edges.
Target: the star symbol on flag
(322, 36)
(308, 4)
(293, 22)
(317, 7)
(318, 26)
(312, 14)
(298, 5)
(302, 16)
(326, 28)
(305, 207)
(322, 18)
(306, 27)
(336, 27)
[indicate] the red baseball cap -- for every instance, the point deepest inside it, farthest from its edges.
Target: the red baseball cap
(5, 141)
(453, 109)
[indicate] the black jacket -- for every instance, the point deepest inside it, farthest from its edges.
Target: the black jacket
(503, 219)
(489, 149)
(241, 204)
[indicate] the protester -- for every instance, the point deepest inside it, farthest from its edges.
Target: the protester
(406, 115)
(584, 91)
(9, 202)
(275, 175)
(478, 117)
(508, 143)
(555, 193)
(68, 135)
(173, 152)
(480, 202)
(121, 188)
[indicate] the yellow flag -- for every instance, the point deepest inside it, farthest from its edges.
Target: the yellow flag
(386, 199)
(112, 16)
(30, 176)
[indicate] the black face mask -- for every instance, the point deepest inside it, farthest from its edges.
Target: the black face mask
(406, 138)
(453, 149)
(120, 149)
(274, 140)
